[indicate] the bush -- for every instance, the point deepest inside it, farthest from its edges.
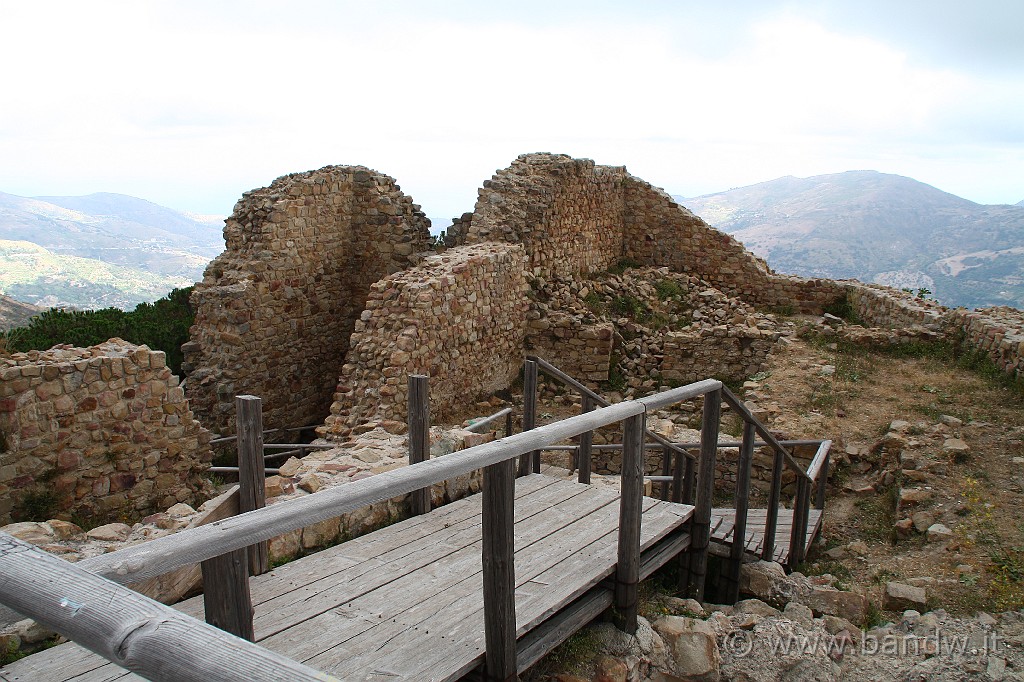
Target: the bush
(161, 325)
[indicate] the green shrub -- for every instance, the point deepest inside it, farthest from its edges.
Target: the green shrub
(161, 325)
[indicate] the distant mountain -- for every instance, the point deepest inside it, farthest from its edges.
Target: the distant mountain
(100, 250)
(879, 228)
(15, 313)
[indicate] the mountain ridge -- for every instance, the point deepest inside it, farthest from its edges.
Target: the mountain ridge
(878, 227)
(139, 250)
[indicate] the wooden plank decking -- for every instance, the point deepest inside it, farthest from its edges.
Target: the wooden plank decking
(722, 520)
(404, 602)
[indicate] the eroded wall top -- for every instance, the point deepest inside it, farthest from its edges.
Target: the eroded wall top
(274, 312)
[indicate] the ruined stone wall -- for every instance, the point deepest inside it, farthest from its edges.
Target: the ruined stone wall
(998, 332)
(274, 312)
(722, 352)
(567, 212)
(102, 431)
(583, 351)
(880, 306)
(460, 318)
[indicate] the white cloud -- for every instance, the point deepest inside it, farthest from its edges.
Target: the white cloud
(191, 104)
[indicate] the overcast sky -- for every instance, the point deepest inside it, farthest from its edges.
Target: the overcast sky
(189, 104)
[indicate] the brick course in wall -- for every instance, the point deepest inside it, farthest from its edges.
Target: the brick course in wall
(274, 312)
(102, 431)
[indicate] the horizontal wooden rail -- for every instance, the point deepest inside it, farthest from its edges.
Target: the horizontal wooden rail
(487, 420)
(722, 444)
(596, 397)
(135, 632)
(162, 555)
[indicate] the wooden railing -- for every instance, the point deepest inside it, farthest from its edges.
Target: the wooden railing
(681, 473)
(224, 548)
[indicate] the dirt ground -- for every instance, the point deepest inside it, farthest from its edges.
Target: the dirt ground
(819, 387)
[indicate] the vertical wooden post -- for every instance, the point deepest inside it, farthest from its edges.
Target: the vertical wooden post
(700, 526)
(226, 597)
(677, 475)
(689, 481)
(819, 493)
(499, 575)
(772, 519)
(666, 470)
(529, 413)
(627, 570)
(252, 479)
(586, 443)
(739, 532)
(419, 436)
(801, 508)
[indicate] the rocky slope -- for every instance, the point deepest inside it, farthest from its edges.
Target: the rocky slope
(15, 313)
(878, 228)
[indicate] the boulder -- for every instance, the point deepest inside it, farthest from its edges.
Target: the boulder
(692, 647)
(111, 532)
(847, 605)
(767, 581)
(900, 597)
(31, 532)
(939, 533)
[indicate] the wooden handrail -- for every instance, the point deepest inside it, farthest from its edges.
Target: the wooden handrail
(487, 420)
(162, 555)
(556, 373)
(737, 404)
(136, 632)
(818, 462)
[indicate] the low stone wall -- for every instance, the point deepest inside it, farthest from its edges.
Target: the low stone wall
(583, 351)
(274, 312)
(999, 332)
(459, 318)
(880, 306)
(722, 352)
(96, 432)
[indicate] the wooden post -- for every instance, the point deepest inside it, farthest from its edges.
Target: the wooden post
(801, 508)
(419, 437)
(226, 596)
(822, 483)
(774, 498)
(677, 475)
(700, 527)
(689, 481)
(739, 532)
(499, 575)
(529, 413)
(586, 442)
(666, 470)
(627, 570)
(252, 478)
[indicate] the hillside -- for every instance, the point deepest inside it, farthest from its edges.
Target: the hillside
(15, 313)
(878, 228)
(100, 250)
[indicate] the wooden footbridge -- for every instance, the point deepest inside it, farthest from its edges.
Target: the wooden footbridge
(483, 586)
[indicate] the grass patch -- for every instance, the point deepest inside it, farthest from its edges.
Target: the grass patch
(842, 308)
(668, 289)
(629, 306)
(39, 504)
(624, 264)
(877, 517)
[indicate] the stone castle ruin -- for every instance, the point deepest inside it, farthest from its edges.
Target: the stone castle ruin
(328, 295)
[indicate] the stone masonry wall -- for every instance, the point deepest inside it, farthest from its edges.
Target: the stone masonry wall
(102, 431)
(880, 306)
(722, 352)
(567, 212)
(274, 312)
(999, 332)
(460, 318)
(583, 351)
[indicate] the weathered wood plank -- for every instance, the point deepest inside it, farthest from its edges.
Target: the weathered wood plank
(142, 635)
(627, 571)
(226, 597)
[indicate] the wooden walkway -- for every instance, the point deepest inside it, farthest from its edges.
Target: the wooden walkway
(722, 520)
(403, 603)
